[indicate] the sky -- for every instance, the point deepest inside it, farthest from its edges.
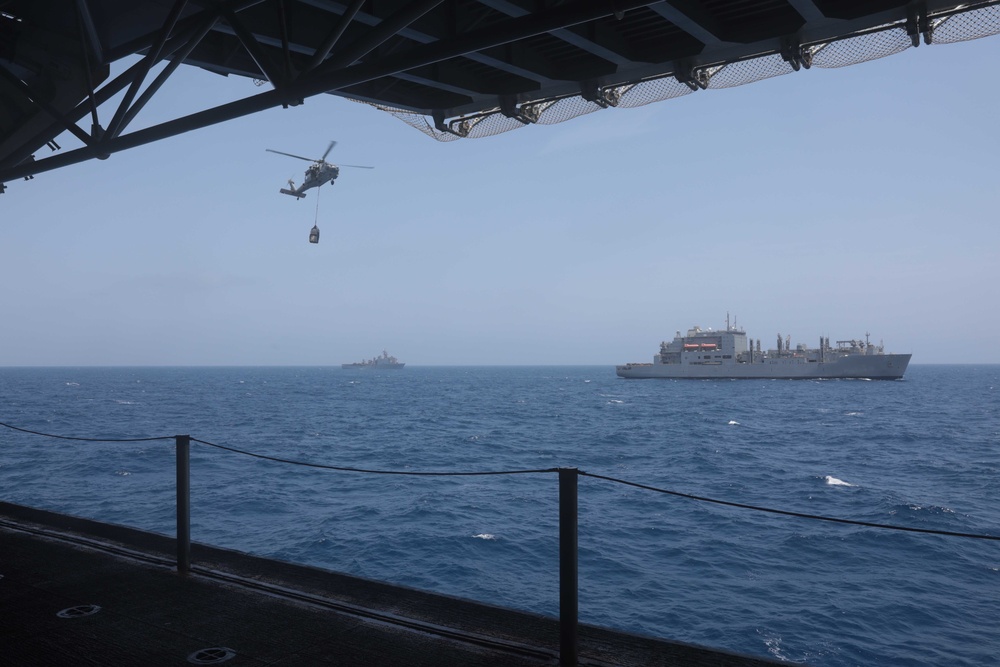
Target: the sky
(825, 202)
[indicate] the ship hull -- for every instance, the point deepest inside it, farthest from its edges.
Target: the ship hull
(868, 367)
(385, 361)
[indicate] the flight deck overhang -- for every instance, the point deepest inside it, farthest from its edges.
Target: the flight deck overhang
(451, 68)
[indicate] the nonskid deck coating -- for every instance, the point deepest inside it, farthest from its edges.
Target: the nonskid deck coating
(259, 611)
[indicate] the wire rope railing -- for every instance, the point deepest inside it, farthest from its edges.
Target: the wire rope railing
(568, 478)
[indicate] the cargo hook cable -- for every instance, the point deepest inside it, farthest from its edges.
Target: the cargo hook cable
(316, 219)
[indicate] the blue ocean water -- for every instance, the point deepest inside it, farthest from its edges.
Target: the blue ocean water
(923, 452)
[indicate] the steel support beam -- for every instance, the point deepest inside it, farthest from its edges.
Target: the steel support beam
(484, 38)
(117, 122)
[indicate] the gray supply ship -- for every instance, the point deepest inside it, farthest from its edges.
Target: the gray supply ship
(385, 361)
(728, 354)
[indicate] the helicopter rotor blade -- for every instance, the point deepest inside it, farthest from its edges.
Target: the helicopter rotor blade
(328, 149)
(356, 166)
(307, 159)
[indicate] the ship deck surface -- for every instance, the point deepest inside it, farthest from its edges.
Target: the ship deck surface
(266, 612)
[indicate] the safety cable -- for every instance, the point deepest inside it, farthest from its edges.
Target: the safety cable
(727, 503)
(801, 515)
(373, 472)
(65, 437)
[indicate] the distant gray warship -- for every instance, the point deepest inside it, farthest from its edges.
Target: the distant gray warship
(704, 354)
(385, 361)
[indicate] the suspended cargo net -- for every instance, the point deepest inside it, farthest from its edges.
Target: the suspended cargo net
(869, 45)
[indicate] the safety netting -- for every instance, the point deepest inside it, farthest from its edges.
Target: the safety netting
(872, 44)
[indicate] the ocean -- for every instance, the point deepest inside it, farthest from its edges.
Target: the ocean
(922, 453)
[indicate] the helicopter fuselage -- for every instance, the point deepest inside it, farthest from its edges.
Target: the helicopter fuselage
(316, 175)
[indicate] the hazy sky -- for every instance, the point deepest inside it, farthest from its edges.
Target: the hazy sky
(824, 202)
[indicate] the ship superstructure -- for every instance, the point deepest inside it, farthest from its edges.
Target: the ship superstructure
(728, 353)
(384, 361)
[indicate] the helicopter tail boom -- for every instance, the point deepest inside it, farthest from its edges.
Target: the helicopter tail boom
(294, 193)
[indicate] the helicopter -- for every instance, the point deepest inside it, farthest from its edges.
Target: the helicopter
(318, 173)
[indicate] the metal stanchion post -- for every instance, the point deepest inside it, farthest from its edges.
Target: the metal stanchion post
(569, 602)
(183, 503)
